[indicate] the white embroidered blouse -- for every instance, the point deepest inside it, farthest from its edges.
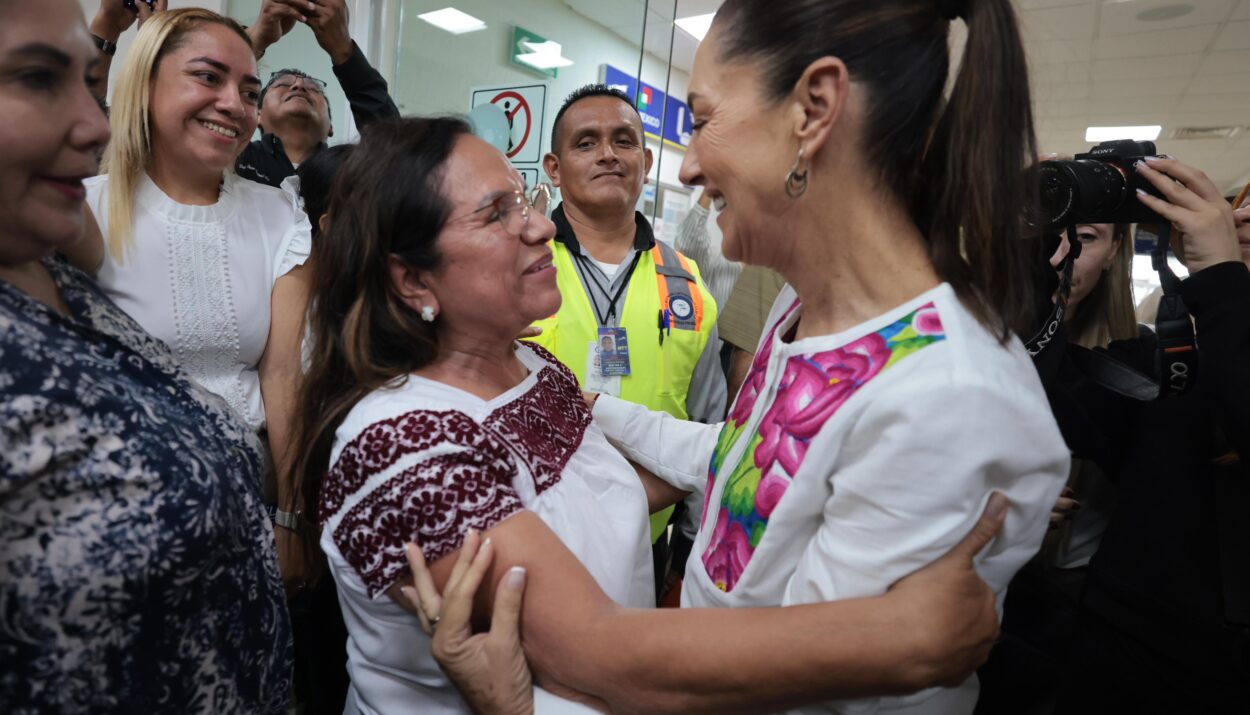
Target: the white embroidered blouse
(422, 461)
(200, 277)
(848, 461)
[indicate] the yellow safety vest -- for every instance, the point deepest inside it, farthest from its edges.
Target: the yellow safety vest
(660, 374)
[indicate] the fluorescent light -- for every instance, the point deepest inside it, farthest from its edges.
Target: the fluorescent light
(696, 25)
(543, 55)
(1141, 134)
(453, 21)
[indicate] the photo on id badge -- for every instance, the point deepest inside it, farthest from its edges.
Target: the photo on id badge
(609, 361)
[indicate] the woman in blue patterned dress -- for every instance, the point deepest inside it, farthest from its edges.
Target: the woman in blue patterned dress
(137, 572)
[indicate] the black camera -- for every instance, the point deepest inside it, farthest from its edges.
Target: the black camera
(1097, 187)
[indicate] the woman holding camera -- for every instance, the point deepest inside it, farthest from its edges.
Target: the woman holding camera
(1167, 600)
(1027, 669)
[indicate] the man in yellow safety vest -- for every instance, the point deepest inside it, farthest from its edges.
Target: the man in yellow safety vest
(636, 320)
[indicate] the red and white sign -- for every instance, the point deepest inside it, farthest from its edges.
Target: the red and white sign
(525, 106)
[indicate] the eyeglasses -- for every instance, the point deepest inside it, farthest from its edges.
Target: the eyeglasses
(513, 209)
(287, 80)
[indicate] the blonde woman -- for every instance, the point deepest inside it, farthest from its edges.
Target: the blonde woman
(1100, 307)
(190, 250)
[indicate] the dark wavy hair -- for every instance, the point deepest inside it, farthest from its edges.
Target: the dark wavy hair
(387, 199)
(964, 167)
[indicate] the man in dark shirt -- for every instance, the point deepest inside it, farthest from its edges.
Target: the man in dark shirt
(295, 119)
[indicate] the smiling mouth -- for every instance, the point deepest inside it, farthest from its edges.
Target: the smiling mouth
(226, 132)
(540, 264)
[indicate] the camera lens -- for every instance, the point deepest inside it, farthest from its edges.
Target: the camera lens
(1080, 191)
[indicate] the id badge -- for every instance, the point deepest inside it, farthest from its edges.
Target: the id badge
(595, 380)
(613, 352)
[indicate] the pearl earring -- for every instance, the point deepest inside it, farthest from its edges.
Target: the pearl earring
(427, 314)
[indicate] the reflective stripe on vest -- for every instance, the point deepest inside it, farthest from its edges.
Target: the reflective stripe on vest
(672, 271)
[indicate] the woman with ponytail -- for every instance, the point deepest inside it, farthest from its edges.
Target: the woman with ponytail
(890, 394)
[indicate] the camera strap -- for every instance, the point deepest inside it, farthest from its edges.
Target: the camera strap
(1176, 356)
(1054, 321)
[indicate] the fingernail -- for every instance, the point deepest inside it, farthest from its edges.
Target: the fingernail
(1138, 165)
(997, 505)
(471, 532)
(1141, 192)
(516, 576)
(409, 592)
(486, 543)
(1161, 157)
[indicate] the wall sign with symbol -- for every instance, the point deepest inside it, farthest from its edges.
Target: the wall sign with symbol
(526, 107)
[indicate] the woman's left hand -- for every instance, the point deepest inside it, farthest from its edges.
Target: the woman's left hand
(489, 669)
(1195, 208)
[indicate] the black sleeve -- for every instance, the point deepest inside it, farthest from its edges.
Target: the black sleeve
(1219, 300)
(365, 89)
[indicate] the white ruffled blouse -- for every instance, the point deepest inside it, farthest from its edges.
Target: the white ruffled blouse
(200, 277)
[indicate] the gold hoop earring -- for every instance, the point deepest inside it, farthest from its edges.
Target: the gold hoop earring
(796, 181)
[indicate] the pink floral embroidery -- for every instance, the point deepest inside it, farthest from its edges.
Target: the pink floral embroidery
(729, 553)
(810, 391)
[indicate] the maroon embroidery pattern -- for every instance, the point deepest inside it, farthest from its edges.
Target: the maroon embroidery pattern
(435, 502)
(382, 443)
(544, 427)
(468, 482)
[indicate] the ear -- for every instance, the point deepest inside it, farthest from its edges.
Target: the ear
(648, 160)
(820, 97)
(331, 129)
(324, 222)
(411, 286)
(551, 163)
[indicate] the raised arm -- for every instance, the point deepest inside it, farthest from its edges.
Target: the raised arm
(111, 20)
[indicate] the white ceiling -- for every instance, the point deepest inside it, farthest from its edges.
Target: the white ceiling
(1093, 62)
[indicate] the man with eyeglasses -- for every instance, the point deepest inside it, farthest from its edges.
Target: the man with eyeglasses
(295, 119)
(637, 321)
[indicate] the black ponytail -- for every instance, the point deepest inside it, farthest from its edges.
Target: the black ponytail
(961, 167)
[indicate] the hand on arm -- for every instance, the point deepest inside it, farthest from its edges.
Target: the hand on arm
(488, 668)
(932, 628)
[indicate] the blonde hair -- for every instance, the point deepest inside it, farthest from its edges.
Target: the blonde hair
(130, 151)
(1106, 314)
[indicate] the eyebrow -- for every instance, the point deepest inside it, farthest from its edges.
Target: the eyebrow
(491, 198)
(223, 67)
(43, 51)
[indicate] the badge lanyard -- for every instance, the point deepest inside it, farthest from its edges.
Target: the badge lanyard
(589, 278)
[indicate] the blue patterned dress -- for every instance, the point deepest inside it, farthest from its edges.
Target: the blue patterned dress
(137, 572)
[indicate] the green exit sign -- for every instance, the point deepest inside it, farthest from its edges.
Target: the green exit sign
(536, 53)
